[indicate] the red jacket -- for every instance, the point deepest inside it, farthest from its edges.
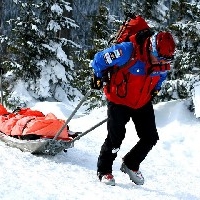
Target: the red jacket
(131, 83)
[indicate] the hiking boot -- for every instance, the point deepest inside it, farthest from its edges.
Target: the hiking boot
(135, 176)
(108, 179)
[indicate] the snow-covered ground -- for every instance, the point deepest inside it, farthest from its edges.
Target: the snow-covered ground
(196, 98)
(171, 169)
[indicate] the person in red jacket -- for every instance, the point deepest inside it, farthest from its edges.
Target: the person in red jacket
(133, 74)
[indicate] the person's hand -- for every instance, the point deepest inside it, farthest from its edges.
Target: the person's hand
(96, 83)
(154, 93)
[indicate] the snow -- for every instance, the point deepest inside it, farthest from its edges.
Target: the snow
(196, 98)
(171, 169)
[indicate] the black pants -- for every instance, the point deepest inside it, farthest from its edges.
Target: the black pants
(118, 116)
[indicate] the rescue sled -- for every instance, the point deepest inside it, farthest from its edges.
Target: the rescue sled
(32, 131)
(38, 146)
(44, 146)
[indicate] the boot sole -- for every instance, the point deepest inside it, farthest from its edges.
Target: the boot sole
(123, 169)
(111, 183)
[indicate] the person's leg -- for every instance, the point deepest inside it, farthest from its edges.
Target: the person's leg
(144, 120)
(118, 116)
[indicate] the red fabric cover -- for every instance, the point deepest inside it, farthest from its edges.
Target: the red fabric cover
(3, 110)
(27, 121)
(29, 112)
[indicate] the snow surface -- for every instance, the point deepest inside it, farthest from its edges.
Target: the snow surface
(196, 98)
(171, 169)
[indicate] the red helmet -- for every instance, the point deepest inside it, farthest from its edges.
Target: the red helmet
(163, 45)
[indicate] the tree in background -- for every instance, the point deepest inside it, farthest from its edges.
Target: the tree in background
(95, 22)
(182, 19)
(35, 56)
(99, 36)
(184, 22)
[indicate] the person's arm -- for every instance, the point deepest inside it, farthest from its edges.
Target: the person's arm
(155, 91)
(117, 54)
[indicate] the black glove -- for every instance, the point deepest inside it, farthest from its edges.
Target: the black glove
(154, 93)
(2, 70)
(96, 83)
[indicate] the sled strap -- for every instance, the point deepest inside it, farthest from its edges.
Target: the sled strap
(72, 114)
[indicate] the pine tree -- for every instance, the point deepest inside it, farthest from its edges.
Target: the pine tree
(183, 21)
(147, 8)
(99, 36)
(35, 49)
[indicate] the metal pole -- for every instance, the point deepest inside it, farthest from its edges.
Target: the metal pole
(72, 114)
(89, 130)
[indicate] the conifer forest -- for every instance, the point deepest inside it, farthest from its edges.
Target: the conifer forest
(37, 35)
